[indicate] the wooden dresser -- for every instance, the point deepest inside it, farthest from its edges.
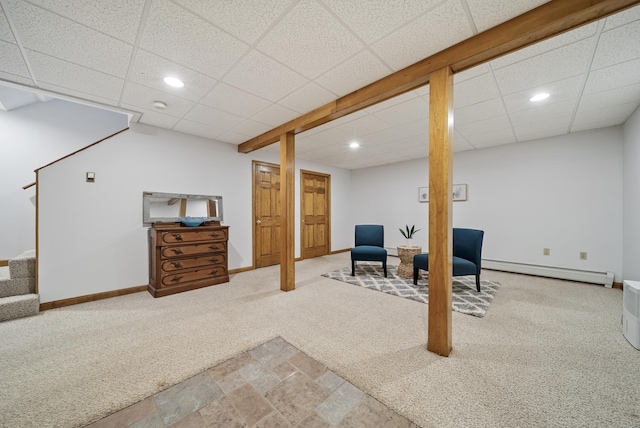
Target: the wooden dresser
(185, 258)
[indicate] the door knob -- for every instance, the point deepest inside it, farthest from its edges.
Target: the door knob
(258, 221)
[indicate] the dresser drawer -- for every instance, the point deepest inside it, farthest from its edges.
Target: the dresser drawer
(176, 237)
(173, 265)
(193, 249)
(180, 278)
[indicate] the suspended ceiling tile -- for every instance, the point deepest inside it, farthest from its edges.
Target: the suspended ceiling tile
(551, 66)
(460, 144)
(309, 40)
(471, 73)
(215, 117)
(17, 79)
(256, 69)
(622, 18)
(618, 45)
(78, 95)
(414, 152)
(371, 20)
(174, 33)
(548, 45)
(232, 138)
(72, 76)
(489, 13)
(536, 130)
(492, 138)
(410, 142)
(199, 129)
(247, 20)
(275, 115)
(407, 96)
(408, 111)
(353, 74)
(479, 111)
(330, 136)
(5, 31)
(626, 73)
(492, 124)
(233, 100)
(418, 127)
(142, 96)
(475, 90)
(385, 136)
(616, 114)
(566, 89)
(117, 18)
(251, 128)
(543, 113)
(434, 31)
(12, 60)
(150, 70)
(53, 35)
(363, 126)
(154, 118)
(594, 125)
(370, 150)
(610, 98)
(307, 98)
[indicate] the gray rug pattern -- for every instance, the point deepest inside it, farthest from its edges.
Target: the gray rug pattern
(465, 298)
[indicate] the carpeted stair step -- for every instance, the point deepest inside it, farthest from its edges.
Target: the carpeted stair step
(24, 265)
(19, 306)
(17, 287)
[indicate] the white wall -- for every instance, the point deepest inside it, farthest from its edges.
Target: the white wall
(562, 193)
(631, 211)
(30, 137)
(92, 238)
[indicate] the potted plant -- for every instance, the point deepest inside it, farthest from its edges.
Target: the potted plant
(408, 234)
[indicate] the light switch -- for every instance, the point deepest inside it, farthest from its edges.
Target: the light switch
(91, 177)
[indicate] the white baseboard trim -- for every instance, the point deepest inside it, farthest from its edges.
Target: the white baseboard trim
(605, 278)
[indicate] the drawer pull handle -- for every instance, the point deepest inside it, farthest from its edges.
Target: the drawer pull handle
(214, 234)
(176, 278)
(213, 272)
(177, 250)
(213, 259)
(177, 236)
(177, 265)
(213, 246)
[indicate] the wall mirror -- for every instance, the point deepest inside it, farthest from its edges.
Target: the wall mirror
(168, 207)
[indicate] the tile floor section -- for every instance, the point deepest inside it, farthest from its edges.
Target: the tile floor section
(272, 385)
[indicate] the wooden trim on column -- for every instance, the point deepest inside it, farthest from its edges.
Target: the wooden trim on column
(37, 289)
(287, 215)
(440, 210)
(541, 23)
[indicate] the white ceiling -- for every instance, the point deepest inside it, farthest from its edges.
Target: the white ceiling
(249, 66)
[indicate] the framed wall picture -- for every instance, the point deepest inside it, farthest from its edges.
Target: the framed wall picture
(459, 193)
(423, 194)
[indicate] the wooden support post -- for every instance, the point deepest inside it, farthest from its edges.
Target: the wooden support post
(287, 213)
(440, 210)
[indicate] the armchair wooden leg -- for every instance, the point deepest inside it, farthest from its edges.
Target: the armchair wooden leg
(416, 272)
(353, 268)
(478, 282)
(384, 267)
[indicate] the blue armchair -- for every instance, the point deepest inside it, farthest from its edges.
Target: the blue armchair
(369, 246)
(467, 252)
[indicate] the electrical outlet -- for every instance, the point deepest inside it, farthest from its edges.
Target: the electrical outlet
(583, 255)
(546, 251)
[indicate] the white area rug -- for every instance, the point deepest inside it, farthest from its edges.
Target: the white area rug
(465, 297)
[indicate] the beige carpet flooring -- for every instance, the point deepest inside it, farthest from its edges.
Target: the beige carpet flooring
(548, 353)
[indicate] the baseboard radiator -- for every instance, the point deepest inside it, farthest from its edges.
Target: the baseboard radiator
(605, 278)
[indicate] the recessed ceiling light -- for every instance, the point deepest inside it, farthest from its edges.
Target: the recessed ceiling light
(354, 145)
(159, 105)
(172, 81)
(539, 97)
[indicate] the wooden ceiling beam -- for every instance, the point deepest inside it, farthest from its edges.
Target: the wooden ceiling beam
(543, 22)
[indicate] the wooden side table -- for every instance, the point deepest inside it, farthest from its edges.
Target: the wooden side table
(405, 269)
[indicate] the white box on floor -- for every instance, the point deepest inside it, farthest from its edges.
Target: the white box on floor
(631, 312)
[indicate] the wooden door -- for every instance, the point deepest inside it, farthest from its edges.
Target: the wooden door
(315, 213)
(266, 213)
